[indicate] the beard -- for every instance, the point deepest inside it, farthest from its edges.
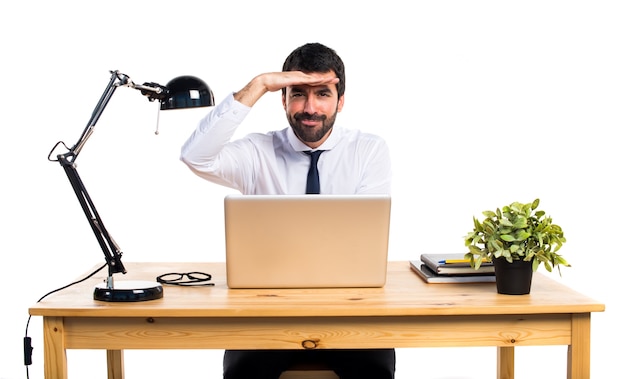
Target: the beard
(309, 134)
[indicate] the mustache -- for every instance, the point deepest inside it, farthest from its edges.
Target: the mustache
(309, 117)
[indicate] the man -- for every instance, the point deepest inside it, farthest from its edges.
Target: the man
(351, 162)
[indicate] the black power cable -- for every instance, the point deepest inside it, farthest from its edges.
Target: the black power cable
(28, 348)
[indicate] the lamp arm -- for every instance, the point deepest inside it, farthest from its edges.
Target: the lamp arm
(117, 79)
(153, 91)
(112, 252)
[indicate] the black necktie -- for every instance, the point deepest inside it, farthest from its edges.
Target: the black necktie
(313, 178)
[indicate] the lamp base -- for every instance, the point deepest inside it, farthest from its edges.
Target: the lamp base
(128, 291)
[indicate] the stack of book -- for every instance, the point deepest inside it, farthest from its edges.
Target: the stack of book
(451, 268)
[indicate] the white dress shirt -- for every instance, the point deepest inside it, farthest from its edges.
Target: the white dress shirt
(274, 163)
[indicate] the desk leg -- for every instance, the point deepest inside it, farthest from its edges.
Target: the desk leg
(506, 362)
(115, 364)
(579, 352)
(55, 359)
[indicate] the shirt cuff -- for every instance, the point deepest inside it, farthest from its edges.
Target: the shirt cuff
(231, 109)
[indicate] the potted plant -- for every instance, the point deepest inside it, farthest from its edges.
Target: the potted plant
(519, 237)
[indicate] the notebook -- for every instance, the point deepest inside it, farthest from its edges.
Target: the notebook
(306, 241)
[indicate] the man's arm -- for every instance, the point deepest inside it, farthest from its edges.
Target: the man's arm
(274, 81)
(215, 130)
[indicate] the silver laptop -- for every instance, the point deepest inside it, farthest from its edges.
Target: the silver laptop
(306, 241)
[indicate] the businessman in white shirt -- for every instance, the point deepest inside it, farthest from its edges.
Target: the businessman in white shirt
(348, 161)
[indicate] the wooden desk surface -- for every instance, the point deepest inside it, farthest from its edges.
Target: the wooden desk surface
(405, 294)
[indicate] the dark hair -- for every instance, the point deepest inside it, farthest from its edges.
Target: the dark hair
(315, 57)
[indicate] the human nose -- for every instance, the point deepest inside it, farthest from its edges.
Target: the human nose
(310, 105)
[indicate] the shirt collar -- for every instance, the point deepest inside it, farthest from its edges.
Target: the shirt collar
(332, 140)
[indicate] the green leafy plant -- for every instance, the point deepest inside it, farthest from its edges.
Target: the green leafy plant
(517, 232)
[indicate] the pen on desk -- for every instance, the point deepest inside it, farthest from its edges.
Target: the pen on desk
(447, 261)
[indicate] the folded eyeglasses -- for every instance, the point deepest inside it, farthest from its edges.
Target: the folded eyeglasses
(190, 279)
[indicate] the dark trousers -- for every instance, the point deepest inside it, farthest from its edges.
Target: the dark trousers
(347, 364)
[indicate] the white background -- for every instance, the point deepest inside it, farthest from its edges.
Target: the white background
(482, 102)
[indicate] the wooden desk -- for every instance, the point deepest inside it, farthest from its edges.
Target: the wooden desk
(405, 313)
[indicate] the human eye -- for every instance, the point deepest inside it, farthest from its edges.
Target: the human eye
(295, 93)
(325, 93)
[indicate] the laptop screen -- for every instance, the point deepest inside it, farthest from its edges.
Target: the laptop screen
(306, 241)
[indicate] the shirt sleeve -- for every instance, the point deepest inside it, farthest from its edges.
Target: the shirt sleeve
(377, 175)
(213, 132)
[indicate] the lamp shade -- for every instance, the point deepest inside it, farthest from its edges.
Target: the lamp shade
(187, 92)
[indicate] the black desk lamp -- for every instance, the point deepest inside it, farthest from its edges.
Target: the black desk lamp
(180, 92)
